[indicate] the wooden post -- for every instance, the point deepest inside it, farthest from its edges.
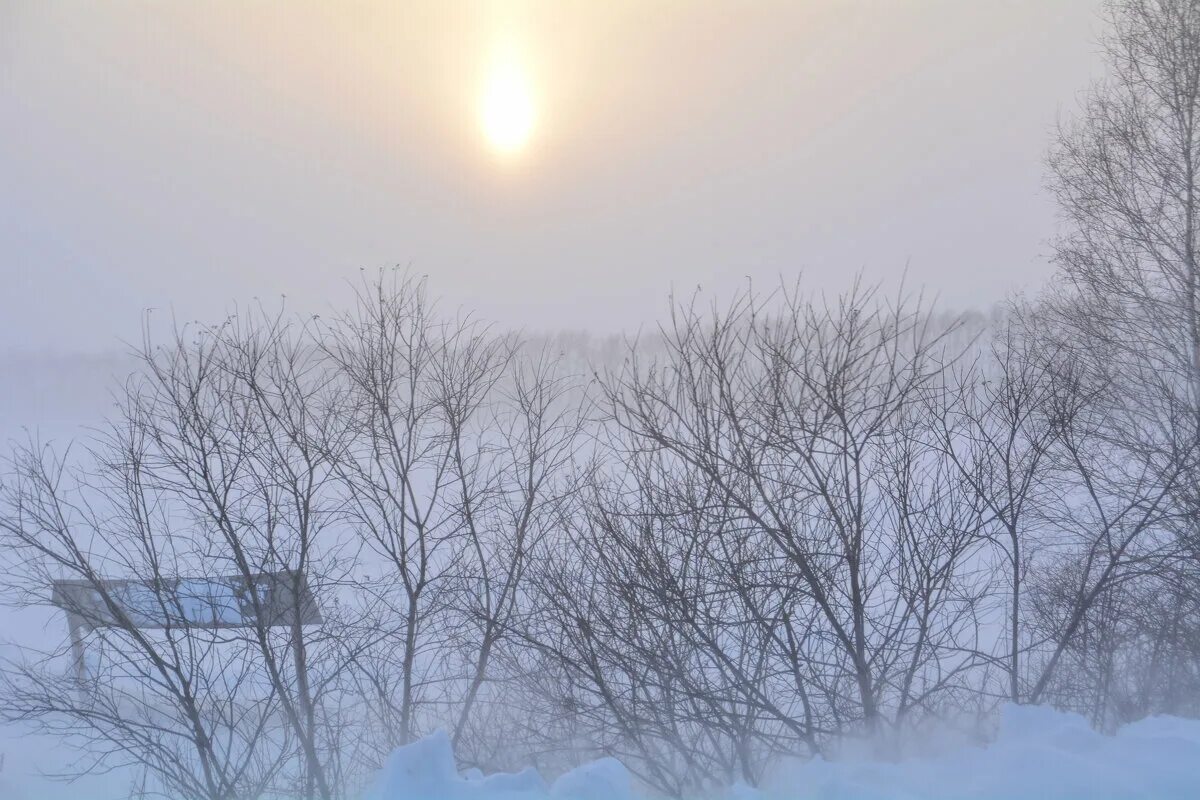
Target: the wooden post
(301, 661)
(81, 676)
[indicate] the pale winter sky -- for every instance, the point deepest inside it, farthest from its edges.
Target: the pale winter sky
(191, 155)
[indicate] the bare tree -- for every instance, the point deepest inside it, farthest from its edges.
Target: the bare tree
(219, 469)
(995, 426)
(775, 552)
(458, 448)
(180, 703)
(1124, 324)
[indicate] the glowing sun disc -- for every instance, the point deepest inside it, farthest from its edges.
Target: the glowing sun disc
(506, 109)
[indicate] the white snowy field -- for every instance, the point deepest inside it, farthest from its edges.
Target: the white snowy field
(1038, 753)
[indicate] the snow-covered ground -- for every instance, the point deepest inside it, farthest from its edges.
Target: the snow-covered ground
(1038, 753)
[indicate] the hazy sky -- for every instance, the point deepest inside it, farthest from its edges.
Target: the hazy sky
(190, 155)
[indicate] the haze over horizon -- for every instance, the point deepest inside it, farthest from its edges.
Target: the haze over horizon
(193, 157)
(576, 399)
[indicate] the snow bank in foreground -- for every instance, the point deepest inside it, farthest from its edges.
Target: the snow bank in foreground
(1038, 753)
(425, 770)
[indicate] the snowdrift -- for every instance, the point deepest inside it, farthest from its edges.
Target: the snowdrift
(1038, 753)
(425, 770)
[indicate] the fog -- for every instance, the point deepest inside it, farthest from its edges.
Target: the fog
(675, 399)
(185, 157)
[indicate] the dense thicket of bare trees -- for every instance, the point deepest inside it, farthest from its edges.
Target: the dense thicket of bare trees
(777, 523)
(1124, 321)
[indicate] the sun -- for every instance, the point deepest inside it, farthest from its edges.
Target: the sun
(506, 109)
